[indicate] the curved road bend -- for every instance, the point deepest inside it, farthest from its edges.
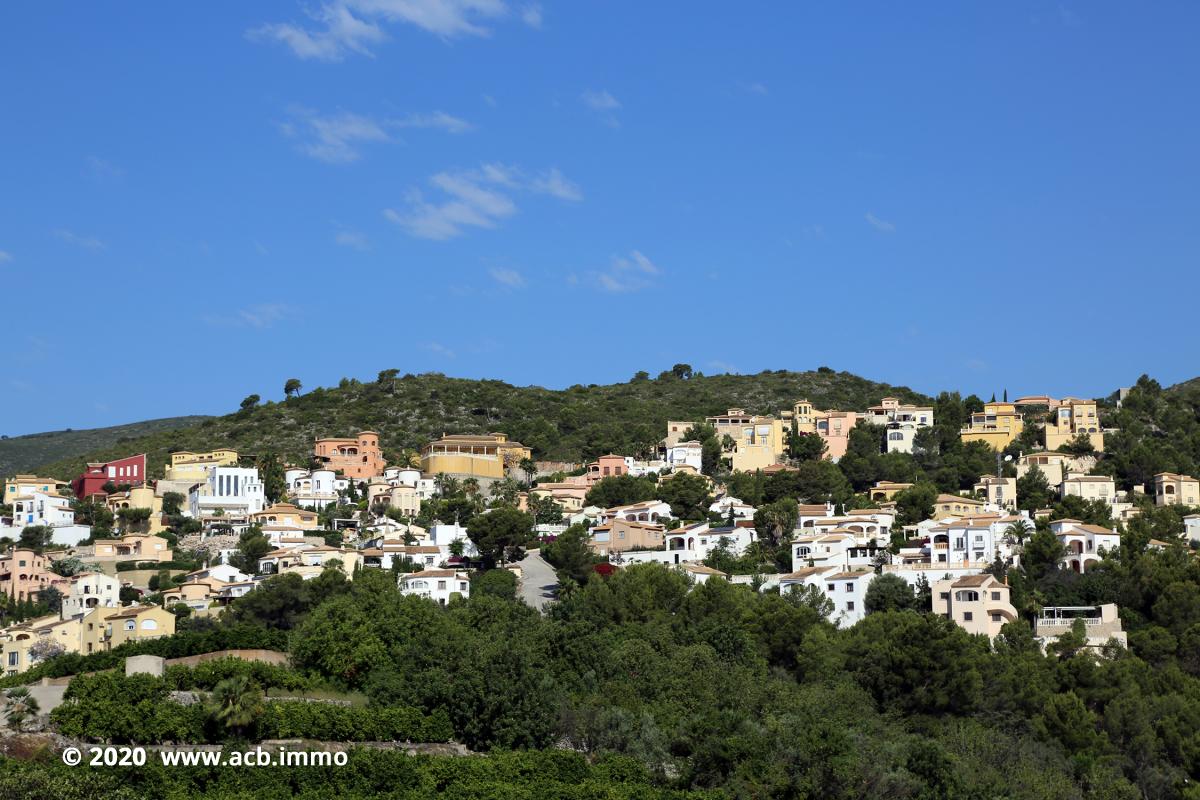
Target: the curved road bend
(539, 584)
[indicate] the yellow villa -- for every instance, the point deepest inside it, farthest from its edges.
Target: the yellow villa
(16, 640)
(953, 505)
(188, 466)
(132, 547)
(1171, 489)
(1074, 417)
(108, 628)
(484, 455)
(997, 425)
(1000, 491)
(101, 629)
(757, 440)
(285, 516)
(139, 497)
(884, 491)
(21, 485)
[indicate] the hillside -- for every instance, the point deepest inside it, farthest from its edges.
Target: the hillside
(569, 424)
(24, 453)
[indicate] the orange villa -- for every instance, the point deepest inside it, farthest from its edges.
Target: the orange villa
(606, 466)
(355, 457)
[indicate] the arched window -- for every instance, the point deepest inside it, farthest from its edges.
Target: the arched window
(149, 625)
(966, 596)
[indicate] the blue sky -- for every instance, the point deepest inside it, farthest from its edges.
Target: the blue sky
(198, 201)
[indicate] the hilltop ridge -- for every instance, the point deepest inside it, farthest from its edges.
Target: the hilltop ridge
(558, 424)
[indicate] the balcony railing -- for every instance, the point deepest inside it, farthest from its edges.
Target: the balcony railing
(1065, 622)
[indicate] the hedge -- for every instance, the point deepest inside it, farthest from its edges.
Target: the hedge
(110, 707)
(529, 775)
(236, 636)
(208, 674)
(302, 720)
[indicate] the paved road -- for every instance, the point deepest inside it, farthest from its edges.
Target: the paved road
(539, 584)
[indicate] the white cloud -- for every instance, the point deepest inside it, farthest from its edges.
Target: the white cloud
(439, 349)
(600, 100)
(100, 169)
(531, 15)
(353, 240)
(337, 138)
(261, 316)
(476, 198)
(756, 88)
(354, 26)
(603, 104)
(86, 242)
(5, 256)
(436, 119)
(342, 32)
(507, 277)
(554, 183)
(881, 225)
(628, 273)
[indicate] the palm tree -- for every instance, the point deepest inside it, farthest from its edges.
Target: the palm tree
(19, 705)
(1017, 532)
(235, 703)
(529, 467)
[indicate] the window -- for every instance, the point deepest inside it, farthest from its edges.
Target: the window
(12, 658)
(149, 625)
(441, 584)
(849, 587)
(995, 595)
(968, 616)
(130, 625)
(996, 618)
(829, 587)
(945, 595)
(850, 606)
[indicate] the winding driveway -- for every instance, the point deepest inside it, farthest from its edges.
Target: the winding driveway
(539, 584)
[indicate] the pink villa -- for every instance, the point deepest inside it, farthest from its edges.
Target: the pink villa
(834, 427)
(24, 573)
(606, 466)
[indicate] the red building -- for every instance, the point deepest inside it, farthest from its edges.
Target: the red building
(131, 471)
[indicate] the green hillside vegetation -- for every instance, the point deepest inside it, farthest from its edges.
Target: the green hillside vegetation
(714, 687)
(25, 453)
(1158, 431)
(570, 424)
